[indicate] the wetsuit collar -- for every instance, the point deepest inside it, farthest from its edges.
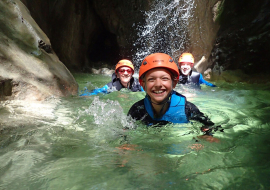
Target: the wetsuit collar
(163, 103)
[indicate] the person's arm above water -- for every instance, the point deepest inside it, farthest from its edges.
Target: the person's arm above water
(104, 89)
(202, 81)
(193, 113)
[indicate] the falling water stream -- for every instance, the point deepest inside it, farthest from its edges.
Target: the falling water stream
(165, 30)
(82, 143)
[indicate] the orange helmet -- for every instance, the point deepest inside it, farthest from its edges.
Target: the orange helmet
(186, 58)
(124, 62)
(158, 60)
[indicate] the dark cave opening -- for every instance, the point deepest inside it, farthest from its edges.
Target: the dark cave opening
(105, 50)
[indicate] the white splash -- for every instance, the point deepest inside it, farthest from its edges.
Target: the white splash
(165, 30)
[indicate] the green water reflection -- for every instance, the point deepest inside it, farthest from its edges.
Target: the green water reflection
(81, 142)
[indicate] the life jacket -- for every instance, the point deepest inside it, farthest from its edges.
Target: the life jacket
(176, 111)
(133, 85)
(192, 78)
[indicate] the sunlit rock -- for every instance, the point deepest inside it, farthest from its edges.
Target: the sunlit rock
(29, 69)
(95, 71)
(104, 71)
(216, 11)
(202, 31)
(207, 74)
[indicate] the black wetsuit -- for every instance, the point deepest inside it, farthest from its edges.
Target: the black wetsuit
(139, 112)
(133, 85)
(194, 79)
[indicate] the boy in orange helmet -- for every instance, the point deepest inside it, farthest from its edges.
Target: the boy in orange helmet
(187, 76)
(158, 76)
(122, 78)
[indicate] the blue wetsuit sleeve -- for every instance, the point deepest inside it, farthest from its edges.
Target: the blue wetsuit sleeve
(142, 89)
(202, 81)
(104, 89)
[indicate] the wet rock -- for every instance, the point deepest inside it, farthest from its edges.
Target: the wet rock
(215, 10)
(243, 39)
(83, 31)
(104, 71)
(96, 71)
(203, 30)
(238, 31)
(207, 74)
(29, 70)
(101, 30)
(5, 87)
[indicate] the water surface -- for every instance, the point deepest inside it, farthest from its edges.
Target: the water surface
(83, 142)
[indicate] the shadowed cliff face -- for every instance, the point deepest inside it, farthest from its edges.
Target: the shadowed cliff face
(90, 33)
(87, 33)
(72, 26)
(29, 69)
(243, 39)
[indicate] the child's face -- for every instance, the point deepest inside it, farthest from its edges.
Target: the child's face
(185, 68)
(158, 84)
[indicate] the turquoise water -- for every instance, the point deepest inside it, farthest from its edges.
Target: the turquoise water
(81, 143)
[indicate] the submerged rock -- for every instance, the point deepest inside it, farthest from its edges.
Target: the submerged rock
(29, 68)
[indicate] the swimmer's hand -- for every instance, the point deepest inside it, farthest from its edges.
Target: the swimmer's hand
(208, 130)
(208, 133)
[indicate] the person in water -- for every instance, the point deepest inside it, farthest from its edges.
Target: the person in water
(122, 78)
(158, 76)
(187, 76)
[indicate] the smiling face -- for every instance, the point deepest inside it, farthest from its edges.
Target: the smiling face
(124, 74)
(158, 84)
(185, 68)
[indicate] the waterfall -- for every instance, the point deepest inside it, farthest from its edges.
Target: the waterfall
(165, 29)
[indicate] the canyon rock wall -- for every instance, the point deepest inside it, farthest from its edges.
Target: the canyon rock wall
(203, 29)
(87, 33)
(29, 68)
(242, 42)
